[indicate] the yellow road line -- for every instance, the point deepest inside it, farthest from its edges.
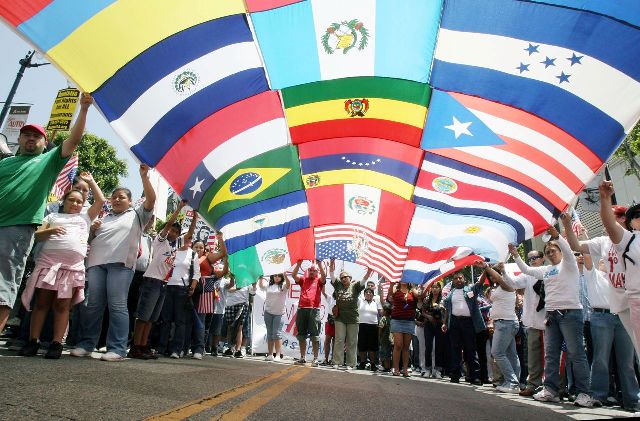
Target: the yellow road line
(202, 404)
(251, 405)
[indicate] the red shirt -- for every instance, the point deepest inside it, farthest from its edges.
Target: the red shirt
(403, 309)
(310, 291)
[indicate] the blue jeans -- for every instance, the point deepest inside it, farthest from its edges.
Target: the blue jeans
(432, 331)
(567, 325)
(173, 310)
(274, 324)
(107, 285)
(607, 330)
(503, 349)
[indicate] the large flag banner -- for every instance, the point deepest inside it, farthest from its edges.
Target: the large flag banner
(379, 163)
(436, 230)
(510, 142)
(268, 175)
(222, 140)
(572, 68)
(271, 257)
(266, 220)
(454, 187)
(378, 210)
(16, 118)
(332, 39)
(361, 245)
(426, 266)
(64, 106)
(178, 91)
(262, 5)
(378, 107)
(625, 10)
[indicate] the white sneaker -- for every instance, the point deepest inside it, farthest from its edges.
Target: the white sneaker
(514, 390)
(584, 400)
(79, 352)
(436, 374)
(174, 355)
(277, 358)
(315, 363)
(112, 356)
(197, 356)
(545, 395)
(269, 358)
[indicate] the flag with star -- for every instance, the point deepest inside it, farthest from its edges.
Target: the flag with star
(572, 68)
(353, 243)
(385, 108)
(267, 175)
(265, 220)
(380, 163)
(517, 145)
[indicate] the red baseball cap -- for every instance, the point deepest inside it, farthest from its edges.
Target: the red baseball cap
(36, 128)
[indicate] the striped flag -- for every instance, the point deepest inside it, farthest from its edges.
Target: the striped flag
(425, 266)
(576, 225)
(361, 245)
(513, 143)
(65, 179)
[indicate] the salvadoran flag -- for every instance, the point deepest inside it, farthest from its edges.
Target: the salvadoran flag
(331, 39)
(437, 230)
(426, 266)
(575, 69)
(266, 220)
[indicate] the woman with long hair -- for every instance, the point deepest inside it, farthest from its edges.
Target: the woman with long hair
(276, 293)
(404, 301)
(433, 336)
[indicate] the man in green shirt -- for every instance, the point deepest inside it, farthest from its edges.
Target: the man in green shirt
(27, 179)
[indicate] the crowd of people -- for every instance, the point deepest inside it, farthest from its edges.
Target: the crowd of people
(566, 326)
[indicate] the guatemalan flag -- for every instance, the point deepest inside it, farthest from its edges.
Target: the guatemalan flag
(575, 69)
(425, 266)
(331, 39)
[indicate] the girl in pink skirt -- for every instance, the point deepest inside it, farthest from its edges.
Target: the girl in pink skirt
(59, 273)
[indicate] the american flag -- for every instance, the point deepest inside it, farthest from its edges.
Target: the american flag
(361, 245)
(576, 225)
(65, 178)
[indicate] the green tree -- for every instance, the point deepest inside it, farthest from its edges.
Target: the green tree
(99, 158)
(629, 150)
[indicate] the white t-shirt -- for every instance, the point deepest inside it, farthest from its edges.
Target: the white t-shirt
(598, 288)
(77, 227)
(118, 238)
(603, 248)
(275, 299)
(561, 281)
(181, 268)
(163, 255)
(221, 302)
(238, 297)
(368, 311)
(459, 305)
(530, 317)
(503, 304)
(632, 273)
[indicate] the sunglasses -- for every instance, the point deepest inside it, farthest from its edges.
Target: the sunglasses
(531, 259)
(577, 254)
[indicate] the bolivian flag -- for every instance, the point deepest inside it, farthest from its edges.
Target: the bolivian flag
(262, 177)
(386, 108)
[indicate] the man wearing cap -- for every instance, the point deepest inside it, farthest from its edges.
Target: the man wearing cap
(27, 179)
(308, 316)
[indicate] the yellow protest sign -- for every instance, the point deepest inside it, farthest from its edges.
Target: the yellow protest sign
(63, 108)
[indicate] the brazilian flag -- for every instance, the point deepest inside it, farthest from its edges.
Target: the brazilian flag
(262, 177)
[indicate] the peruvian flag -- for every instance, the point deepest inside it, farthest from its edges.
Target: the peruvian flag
(379, 210)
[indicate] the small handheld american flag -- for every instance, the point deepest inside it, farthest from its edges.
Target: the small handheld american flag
(65, 178)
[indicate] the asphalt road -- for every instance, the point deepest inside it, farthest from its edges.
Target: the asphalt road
(226, 388)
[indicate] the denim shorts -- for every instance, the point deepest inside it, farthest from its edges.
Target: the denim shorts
(403, 326)
(150, 299)
(15, 245)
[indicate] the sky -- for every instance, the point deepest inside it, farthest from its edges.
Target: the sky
(39, 87)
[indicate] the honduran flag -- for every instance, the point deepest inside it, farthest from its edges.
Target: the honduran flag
(426, 266)
(381, 211)
(575, 69)
(331, 39)
(271, 256)
(266, 220)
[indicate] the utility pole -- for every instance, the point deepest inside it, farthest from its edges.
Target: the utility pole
(24, 63)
